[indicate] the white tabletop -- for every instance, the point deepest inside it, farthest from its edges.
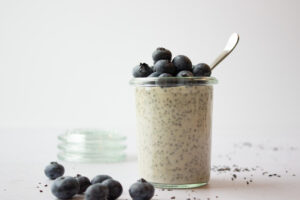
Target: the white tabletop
(25, 152)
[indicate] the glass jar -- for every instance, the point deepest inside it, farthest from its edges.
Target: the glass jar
(91, 146)
(174, 117)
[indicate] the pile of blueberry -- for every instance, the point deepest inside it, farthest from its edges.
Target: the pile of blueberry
(101, 187)
(164, 66)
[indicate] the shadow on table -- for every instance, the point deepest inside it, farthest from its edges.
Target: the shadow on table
(78, 197)
(81, 197)
(236, 184)
(220, 184)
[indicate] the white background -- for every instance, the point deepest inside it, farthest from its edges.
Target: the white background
(66, 64)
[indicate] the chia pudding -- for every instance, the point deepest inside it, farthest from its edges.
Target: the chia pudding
(174, 134)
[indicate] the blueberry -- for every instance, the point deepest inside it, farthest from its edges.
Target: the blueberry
(182, 62)
(154, 74)
(65, 187)
(84, 183)
(185, 73)
(100, 178)
(161, 54)
(114, 187)
(142, 70)
(202, 69)
(141, 190)
(164, 66)
(165, 75)
(54, 170)
(97, 191)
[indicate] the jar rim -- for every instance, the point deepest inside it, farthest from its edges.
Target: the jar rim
(173, 81)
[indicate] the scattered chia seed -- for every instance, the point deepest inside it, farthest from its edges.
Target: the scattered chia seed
(246, 170)
(41, 191)
(277, 175)
(173, 197)
(248, 177)
(45, 185)
(223, 169)
(237, 170)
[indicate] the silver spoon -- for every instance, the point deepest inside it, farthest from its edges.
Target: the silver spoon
(231, 44)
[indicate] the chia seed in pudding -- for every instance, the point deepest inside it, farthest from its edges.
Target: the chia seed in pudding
(174, 133)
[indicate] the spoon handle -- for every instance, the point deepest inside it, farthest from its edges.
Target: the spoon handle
(219, 59)
(231, 44)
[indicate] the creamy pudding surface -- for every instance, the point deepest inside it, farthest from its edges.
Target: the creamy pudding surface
(174, 133)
